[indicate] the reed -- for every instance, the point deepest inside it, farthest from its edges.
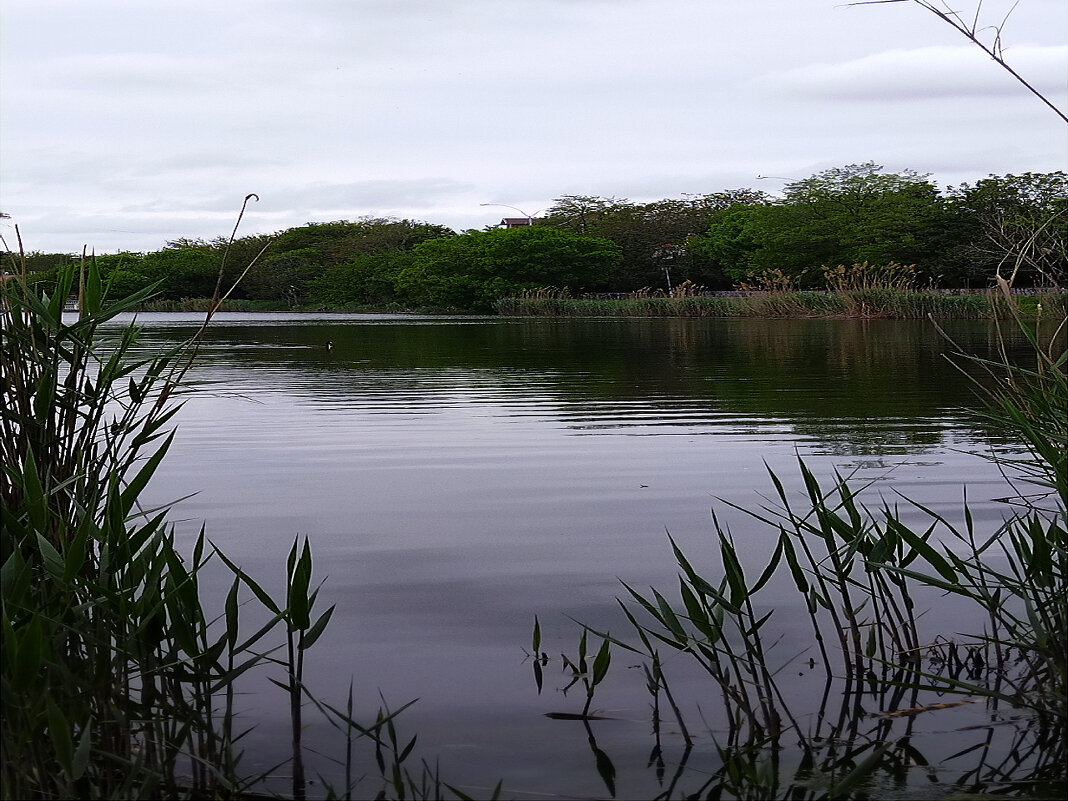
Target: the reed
(864, 302)
(107, 658)
(118, 680)
(203, 305)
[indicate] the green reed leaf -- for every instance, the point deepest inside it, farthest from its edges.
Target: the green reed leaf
(261, 594)
(732, 567)
(94, 293)
(51, 558)
(602, 662)
(308, 639)
(80, 759)
(800, 581)
(769, 571)
(667, 616)
(297, 599)
(696, 611)
(137, 484)
(231, 611)
(59, 733)
(34, 494)
(26, 649)
(929, 554)
(75, 553)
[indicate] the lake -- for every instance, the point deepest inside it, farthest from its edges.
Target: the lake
(458, 475)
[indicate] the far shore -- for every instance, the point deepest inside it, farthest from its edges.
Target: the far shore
(869, 303)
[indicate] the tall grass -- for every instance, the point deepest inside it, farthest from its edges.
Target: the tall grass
(118, 680)
(872, 302)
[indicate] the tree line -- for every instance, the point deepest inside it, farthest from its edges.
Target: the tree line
(1013, 225)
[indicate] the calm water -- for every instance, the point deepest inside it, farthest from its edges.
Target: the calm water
(458, 476)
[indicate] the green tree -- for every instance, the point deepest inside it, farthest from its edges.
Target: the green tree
(470, 271)
(1020, 226)
(653, 237)
(186, 271)
(846, 215)
(369, 279)
(360, 261)
(123, 271)
(734, 235)
(341, 240)
(284, 276)
(582, 214)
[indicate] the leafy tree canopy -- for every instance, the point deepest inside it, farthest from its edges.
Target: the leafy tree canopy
(1012, 225)
(1020, 225)
(845, 215)
(187, 271)
(472, 270)
(652, 236)
(341, 240)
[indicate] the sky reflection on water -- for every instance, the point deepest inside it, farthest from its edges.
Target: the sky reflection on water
(457, 477)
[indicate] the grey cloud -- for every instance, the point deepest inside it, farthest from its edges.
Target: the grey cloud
(923, 74)
(158, 118)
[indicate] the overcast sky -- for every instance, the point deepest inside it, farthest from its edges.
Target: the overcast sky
(125, 123)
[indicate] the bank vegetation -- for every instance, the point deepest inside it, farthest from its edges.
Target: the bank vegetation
(816, 233)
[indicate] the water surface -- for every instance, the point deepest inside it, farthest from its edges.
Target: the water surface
(457, 476)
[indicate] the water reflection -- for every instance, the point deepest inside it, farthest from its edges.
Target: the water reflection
(850, 386)
(455, 476)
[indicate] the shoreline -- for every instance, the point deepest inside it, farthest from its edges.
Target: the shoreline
(854, 304)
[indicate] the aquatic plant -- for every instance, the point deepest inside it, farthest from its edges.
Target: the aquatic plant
(860, 572)
(858, 302)
(117, 679)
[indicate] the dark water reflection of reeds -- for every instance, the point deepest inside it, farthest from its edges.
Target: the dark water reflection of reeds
(457, 476)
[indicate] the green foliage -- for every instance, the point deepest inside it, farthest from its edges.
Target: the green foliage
(284, 275)
(117, 682)
(187, 271)
(471, 271)
(846, 215)
(1019, 226)
(122, 272)
(358, 262)
(341, 240)
(653, 237)
(732, 237)
(369, 279)
(1015, 226)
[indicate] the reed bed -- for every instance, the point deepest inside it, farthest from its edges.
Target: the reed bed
(204, 305)
(868, 303)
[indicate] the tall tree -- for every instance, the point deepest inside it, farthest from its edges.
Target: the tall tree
(470, 271)
(1020, 224)
(653, 237)
(186, 269)
(846, 215)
